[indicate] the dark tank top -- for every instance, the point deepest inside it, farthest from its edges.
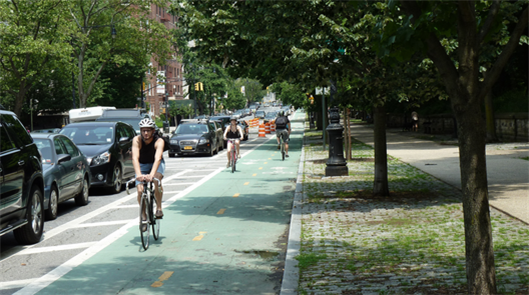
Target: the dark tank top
(147, 151)
(232, 134)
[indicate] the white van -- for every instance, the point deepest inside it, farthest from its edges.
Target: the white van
(87, 114)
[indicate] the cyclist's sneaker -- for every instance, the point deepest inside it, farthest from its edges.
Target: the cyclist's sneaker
(278, 147)
(286, 155)
(228, 164)
(238, 156)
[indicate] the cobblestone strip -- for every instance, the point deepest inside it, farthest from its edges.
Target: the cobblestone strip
(409, 243)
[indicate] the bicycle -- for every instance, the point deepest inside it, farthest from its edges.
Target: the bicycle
(233, 158)
(147, 206)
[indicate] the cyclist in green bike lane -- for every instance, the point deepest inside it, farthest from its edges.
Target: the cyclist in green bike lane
(233, 131)
(283, 129)
(148, 162)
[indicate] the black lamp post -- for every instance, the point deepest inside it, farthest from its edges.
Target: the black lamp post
(336, 165)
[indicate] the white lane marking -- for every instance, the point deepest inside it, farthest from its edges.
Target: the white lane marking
(76, 222)
(42, 282)
(38, 284)
(56, 248)
(106, 223)
(165, 184)
(15, 284)
(126, 206)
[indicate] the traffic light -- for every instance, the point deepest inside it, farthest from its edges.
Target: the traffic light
(201, 85)
(197, 87)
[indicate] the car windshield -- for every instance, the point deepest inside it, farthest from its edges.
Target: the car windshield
(90, 135)
(44, 146)
(191, 129)
(270, 115)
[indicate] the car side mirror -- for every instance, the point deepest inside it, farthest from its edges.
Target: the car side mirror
(63, 158)
(124, 139)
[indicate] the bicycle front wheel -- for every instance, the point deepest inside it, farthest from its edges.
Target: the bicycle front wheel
(283, 151)
(144, 224)
(155, 222)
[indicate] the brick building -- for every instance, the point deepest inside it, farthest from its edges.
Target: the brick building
(155, 93)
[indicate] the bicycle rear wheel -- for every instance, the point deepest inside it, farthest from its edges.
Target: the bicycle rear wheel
(155, 221)
(144, 207)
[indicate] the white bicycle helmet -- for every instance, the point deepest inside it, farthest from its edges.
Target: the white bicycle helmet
(147, 123)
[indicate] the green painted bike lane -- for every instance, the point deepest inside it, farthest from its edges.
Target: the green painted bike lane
(226, 236)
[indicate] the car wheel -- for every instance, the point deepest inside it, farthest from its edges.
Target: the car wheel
(246, 137)
(117, 178)
(51, 213)
(82, 198)
(32, 231)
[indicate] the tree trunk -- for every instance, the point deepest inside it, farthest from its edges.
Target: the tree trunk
(481, 276)
(489, 118)
(380, 187)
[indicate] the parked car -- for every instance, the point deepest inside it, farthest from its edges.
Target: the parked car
(132, 121)
(66, 172)
(107, 146)
(247, 112)
(223, 120)
(270, 116)
(219, 128)
(194, 137)
(238, 114)
(50, 130)
(260, 114)
(21, 182)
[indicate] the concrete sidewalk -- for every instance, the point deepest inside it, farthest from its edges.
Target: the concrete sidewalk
(508, 174)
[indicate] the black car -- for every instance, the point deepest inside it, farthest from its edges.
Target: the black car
(66, 172)
(132, 121)
(108, 148)
(194, 137)
(223, 120)
(21, 182)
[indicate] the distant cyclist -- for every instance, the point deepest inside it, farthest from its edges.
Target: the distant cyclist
(283, 129)
(233, 131)
(148, 162)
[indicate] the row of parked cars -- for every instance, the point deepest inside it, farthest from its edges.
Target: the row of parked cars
(39, 170)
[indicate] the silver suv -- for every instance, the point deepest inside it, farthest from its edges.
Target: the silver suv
(21, 182)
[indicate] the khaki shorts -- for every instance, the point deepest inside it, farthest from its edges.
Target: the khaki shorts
(284, 134)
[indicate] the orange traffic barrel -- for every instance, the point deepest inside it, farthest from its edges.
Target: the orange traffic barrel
(272, 126)
(267, 128)
(262, 130)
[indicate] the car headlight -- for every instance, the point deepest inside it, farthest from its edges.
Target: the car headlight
(101, 159)
(203, 141)
(174, 141)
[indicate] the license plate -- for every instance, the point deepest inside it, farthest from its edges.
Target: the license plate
(188, 148)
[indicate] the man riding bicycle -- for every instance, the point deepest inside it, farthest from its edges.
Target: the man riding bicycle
(148, 162)
(283, 129)
(233, 131)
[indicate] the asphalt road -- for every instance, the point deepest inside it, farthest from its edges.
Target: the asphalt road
(221, 231)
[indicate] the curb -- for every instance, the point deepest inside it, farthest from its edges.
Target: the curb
(290, 281)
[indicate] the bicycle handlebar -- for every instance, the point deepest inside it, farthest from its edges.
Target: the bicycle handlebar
(144, 181)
